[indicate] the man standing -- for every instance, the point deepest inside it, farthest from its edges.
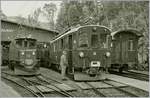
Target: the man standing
(63, 64)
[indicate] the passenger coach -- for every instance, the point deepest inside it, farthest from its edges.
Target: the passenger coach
(88, 51)
(124, 49)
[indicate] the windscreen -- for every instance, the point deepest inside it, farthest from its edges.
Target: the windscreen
(94, 40)
(83, 39)
(103, 40)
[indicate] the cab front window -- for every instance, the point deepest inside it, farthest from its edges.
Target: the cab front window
(32, 44)
(103, 40)
(94, 40)
(83, 39)
(19, 43)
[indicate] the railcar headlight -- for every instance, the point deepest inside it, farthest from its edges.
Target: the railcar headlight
(22, 53)
(108, 54)
(81, 54)
(33, 53)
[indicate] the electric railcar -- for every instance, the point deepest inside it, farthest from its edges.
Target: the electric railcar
(88, 51)
(23, 56)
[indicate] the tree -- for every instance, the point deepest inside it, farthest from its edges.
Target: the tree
(49, 11)
(33, 19)
(113, 14)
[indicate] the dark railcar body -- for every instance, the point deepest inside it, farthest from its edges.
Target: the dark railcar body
(88, 48)
(43, 54)
(124, 49)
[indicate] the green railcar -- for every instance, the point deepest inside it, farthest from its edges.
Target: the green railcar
(88, 50)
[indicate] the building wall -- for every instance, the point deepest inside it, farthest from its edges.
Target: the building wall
(10, 31)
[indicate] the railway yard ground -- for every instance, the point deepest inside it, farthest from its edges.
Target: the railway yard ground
(49, 84)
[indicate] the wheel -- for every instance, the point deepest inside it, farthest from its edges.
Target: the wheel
(11, 66)
(92, 75)
(120, 70)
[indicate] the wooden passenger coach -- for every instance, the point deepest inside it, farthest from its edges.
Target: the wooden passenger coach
(88, 49)
(125, 49)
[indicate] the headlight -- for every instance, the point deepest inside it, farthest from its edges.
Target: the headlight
(22, 53)
(81, 54)
(33, 53)
(108, 54)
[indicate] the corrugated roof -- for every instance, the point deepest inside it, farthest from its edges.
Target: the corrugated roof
(36, 27)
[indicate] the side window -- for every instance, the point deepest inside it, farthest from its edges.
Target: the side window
(66, 42)
(54, 47)
(62, 43)
(57, 45)
(130, 45)
(25, 43)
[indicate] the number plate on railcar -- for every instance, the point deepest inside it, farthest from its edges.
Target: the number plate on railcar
(95, 64)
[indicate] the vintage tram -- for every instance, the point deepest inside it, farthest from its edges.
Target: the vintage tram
(88, 51)
(124, 49)
(23, 56)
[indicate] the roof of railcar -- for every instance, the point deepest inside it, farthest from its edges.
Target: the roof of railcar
(134, 31)
(74, 30)
(28, 38)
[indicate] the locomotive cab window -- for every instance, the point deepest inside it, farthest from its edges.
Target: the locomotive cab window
(19, 43)
(32, 44)
(94, 40)
(130, 45)
(83, 39)
(25, 43)
(103, 39)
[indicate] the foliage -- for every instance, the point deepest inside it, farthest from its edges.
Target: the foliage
(33, 19)
(113, 14)
(49, 11)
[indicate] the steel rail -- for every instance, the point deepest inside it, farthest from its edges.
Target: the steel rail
(55, 86)
(52, 88)
(34, 93)
(51, 78)
(40, 92)
(119, 89)
(133, 75)
(139, 76)
(95, 90)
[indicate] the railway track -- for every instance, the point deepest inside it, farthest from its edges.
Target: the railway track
(96, 90)
(119, 90)
(139, 76)
(113, 90)
(41, 81)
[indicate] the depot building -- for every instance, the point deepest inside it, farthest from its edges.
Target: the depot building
(11, 30)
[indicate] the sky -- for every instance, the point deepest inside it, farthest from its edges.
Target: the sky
(24, 8)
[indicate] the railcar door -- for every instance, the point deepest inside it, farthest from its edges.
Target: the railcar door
(70, 53)
(127, 49)
(123, 52)
(121, 49)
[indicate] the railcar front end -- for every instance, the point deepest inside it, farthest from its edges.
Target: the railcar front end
(23, 57)
(92, 55)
